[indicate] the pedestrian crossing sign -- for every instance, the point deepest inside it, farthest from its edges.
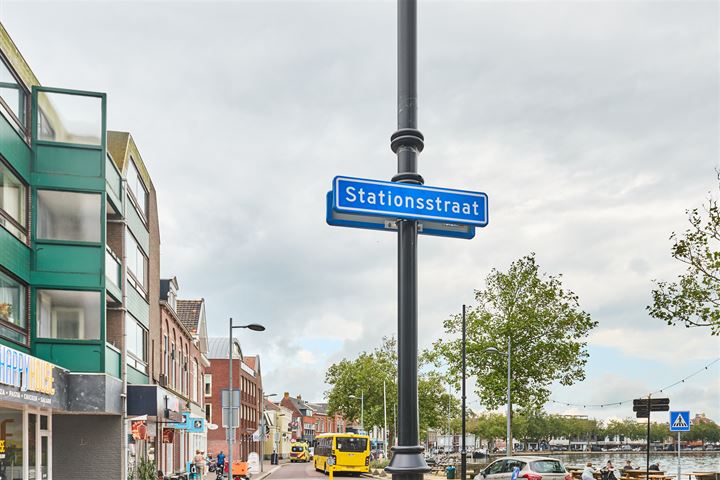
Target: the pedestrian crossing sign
(679, 421)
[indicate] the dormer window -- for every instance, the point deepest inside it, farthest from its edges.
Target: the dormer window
(172, 299)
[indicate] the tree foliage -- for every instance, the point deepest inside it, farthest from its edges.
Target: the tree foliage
(694, 299)
(364, 376)
(544, 325)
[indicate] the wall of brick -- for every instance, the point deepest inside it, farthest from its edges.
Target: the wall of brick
(86, 446)
(115, 328)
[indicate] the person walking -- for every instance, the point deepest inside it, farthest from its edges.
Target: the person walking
(199, 462)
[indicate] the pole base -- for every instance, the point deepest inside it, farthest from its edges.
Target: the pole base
(408, 461)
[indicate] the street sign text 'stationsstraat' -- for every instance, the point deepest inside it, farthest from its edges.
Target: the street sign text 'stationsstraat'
(378, 205)
(409, 201)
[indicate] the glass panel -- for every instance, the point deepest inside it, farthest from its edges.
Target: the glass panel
(12, 301)
(68, 314)
(13, 202)
(12, 93)
(348, 444)
(68, 216)
(69, 118)
(12, 335)
(43, 422)
(136, 260)
(137, 187)
(32, 450)
(136, 337)
(11, 444)
(112, 269)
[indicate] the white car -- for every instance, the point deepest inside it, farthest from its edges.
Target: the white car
(528, 468)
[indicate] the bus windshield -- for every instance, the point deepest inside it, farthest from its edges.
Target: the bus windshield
(350, 444)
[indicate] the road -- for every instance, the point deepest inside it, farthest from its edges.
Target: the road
(296, 471)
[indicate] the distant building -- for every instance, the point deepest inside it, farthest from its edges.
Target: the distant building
(248, 379)
(326, 423)
(279, 435)
(303, 423)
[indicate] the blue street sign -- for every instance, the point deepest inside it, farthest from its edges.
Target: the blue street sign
(679, 421)
(356, 220)
(191, 424)
(409, 201)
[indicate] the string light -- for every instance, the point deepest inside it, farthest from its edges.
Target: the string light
(608, 404)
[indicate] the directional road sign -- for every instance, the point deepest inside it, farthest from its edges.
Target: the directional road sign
(409, 201)
(679, 421)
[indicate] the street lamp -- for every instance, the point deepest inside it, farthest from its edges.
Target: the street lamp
(362, 408)
(494, 350)
(256, 327)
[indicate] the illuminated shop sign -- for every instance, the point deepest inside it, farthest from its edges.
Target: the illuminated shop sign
(25, 372)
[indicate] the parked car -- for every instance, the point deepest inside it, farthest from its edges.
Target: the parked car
(531, 468)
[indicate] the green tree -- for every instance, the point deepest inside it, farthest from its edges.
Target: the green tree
(694, 299)
(544, 325)
(707, 431)
(364, 376)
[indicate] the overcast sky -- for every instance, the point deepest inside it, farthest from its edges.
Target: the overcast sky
(592, 126)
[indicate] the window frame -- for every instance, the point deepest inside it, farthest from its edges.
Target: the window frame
(11, 326)
(142, 212)
(25, 229)
(207, 382)
(142, 287)
(36, 209)
(37, 309)
(21, 125)
(133, 359)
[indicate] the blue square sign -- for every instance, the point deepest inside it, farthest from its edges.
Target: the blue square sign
(679, 421)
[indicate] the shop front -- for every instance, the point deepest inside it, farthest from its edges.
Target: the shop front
(155, 411)
(30, 391)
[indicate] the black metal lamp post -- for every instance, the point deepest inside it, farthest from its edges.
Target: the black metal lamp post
(408, 462)
(231, 417)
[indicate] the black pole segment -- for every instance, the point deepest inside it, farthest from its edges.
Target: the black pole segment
(647, 456)
(408, 461)
(463, 448)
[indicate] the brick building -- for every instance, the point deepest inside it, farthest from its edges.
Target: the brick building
(247, 378)
(324, 422)
(181, 346)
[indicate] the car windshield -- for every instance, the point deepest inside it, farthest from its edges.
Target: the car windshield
(350, 444)
(547, 466)
(297, 449)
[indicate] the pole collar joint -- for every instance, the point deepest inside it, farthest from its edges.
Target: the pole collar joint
(407, 137)
(408, 177)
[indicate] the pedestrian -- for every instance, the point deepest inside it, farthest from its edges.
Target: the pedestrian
(655, 466)
(221, 461)
(589, 472)
(628, 466)
(199, 462)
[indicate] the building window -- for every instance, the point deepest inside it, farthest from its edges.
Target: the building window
(13, 203)
(68, 314)
(166, 355)
(208, 385)
(208, 413)
(137, 188)
(13, 98)
(13, 319)
(70, 118)
(173, 379)
(137, 262)
(136, 336)
(193, 381)
(68, 216)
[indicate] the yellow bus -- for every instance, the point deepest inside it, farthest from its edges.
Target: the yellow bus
(342, 452)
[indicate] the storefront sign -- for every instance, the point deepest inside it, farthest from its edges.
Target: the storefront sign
(25, 372)
(138, 428)
(191, 424)
(168, 435)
